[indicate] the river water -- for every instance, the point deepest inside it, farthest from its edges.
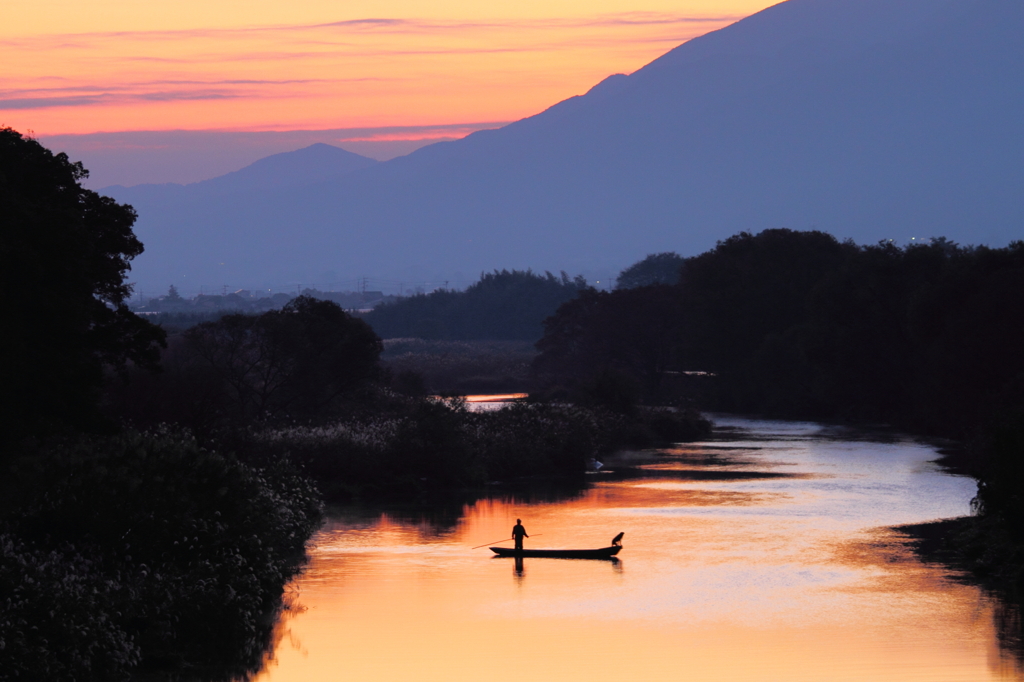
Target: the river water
(762, 554)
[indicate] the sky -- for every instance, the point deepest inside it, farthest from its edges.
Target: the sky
(376, 78)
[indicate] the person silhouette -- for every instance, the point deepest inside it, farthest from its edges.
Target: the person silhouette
(617, 540)
(518, 533)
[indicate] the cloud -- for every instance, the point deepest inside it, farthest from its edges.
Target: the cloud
(151, 91)
(45, 102)
(115, 98)
(382, 25)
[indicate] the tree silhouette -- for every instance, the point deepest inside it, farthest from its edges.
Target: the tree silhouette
(657, 268)
(299, 360)
(66, 251)
(507, 305)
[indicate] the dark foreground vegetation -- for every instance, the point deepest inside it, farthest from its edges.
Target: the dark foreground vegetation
(305, 386)
(790, 324)
(121, 550)
(158, 485)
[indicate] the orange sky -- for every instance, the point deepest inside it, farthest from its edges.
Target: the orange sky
(125, 65)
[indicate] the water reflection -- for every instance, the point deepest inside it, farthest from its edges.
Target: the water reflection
(519, 564)
(794, 576)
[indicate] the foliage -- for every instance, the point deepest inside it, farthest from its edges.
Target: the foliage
(306, 360)
(464, 367)
(175, 322)
(797, 324)
(115, 556)
(599, 334)
(750, 288)
(55, 619)
(297, 360)
(439, 446)
(656, 268)
(508, 305)
(66, 250)
(1001, 490)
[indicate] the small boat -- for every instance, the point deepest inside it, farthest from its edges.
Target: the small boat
(601, 553)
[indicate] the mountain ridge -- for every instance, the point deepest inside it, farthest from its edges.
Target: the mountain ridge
(868, 119)
(314, 163)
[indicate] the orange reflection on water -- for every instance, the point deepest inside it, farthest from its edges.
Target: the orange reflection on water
(728, 579)
(495, 397)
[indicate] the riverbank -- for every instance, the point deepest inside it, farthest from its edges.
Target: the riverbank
(982, 547)
(428, 448)
(983, 550)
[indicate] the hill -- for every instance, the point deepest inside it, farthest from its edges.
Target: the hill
(869, 119)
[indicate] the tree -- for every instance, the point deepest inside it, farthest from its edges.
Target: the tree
(750, 287)
(507, 305)
(299, 360)
(657, 268)
(65, 252)
(602, 335)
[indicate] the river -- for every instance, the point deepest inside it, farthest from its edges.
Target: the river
(764, 553)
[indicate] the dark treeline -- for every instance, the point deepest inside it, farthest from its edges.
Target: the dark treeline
(798, 324)
(926, 337)
(308, 360)
(305, 385)
(657, 268)
(505, 305)
(178, 321)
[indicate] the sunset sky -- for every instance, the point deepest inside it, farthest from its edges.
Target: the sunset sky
(391, 71)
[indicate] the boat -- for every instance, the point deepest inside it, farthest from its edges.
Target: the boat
(600, 553)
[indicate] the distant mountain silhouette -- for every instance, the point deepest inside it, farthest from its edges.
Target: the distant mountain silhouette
(870, 119)
(316, 163)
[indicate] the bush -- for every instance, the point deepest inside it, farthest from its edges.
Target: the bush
(438, 445)
(189, 567)
(463, 367)
(55, 621)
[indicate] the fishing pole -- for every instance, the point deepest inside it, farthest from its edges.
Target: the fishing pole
(505, 540)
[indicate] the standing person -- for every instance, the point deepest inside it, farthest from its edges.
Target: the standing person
(518, 533)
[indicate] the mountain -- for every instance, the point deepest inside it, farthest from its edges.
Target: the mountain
(870, 119)
(315, 163)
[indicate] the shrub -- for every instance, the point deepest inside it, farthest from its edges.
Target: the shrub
(193, 547)
(55, 621)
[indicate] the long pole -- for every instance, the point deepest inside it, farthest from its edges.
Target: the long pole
(505, 540)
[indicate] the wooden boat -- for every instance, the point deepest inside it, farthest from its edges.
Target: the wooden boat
(601, 553)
